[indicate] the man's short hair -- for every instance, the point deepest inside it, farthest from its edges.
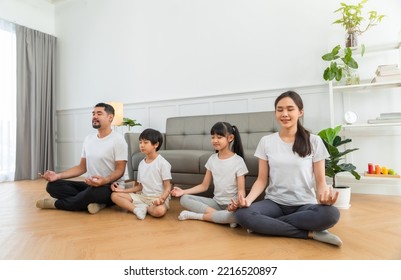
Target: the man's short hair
(107, 108)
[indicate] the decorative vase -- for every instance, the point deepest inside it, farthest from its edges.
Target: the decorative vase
(350, 76)
(344, 197)
(351, 39)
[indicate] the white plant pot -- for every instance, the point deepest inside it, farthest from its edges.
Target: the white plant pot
(344, 197)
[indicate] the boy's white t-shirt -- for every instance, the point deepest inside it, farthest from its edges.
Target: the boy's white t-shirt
(225, 173)
(291, 177)
(151, 175)
(102, 153)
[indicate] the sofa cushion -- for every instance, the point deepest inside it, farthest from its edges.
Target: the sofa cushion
(251, 162)
(185, 161)
(193, 132)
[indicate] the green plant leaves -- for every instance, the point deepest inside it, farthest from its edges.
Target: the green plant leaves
(129, 122)
(332, 141)
(348, 60)
(333, 55)
(329, 134)
(335, 70)
(351, 17)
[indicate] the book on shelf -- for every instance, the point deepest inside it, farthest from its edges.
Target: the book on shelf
(390, 69)
(388, 72)
(390, 115)
(387, 78)
(385, 67)
(378, 120)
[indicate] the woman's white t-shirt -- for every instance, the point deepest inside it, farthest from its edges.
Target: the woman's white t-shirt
(291, 177)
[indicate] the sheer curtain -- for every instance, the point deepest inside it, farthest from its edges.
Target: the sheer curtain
(8, 100)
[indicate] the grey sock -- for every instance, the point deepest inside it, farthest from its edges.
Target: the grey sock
(327, 237)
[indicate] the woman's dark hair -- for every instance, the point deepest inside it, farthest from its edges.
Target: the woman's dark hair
(302, 145)
(152, 135)
(107, 108)
(224, 129)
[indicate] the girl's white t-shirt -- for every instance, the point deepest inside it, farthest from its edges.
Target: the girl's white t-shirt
(291, 177)
(225, 173)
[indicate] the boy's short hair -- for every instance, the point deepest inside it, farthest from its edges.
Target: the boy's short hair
(153, 135)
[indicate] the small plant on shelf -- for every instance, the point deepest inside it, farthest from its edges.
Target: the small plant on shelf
(130, 123)
(332, 141)
(352, 19)
(341, 65)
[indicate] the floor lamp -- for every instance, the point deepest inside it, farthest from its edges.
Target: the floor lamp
(118, 113)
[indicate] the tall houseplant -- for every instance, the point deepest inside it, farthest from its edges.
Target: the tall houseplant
(332, 141)
(352, 19)
(333, 166)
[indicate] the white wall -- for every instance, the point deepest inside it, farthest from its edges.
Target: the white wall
(35, 14)
(137, 51)
(167, 58)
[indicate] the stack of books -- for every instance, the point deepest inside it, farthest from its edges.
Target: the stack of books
(387, 118)
(387, 73)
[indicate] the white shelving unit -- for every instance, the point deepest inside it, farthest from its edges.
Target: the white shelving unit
(365, 86)
(347, 97)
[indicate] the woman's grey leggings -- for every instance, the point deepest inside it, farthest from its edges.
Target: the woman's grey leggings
(270, 218)
(198, 204)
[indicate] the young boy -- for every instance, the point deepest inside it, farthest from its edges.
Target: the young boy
(152, 193)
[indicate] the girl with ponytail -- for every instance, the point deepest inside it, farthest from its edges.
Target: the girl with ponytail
(227, 169)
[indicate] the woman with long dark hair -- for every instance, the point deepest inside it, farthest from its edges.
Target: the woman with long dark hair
(292, 166)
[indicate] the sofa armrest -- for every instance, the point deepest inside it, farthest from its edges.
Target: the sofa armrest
(163, 146)
(132, 139)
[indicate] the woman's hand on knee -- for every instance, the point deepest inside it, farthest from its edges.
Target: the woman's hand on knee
(328, 197)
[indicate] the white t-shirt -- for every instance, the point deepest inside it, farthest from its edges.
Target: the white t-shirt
(225, 173)
(102, 153)
(151, 175)
(291, 178)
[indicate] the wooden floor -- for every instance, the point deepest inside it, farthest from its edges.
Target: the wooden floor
(370, 230)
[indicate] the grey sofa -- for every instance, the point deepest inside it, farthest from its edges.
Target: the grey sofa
(187, 145)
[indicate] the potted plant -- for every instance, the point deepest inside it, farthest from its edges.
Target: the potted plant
(346, 68)
(130, 123)
(351, 19)
(332, 141)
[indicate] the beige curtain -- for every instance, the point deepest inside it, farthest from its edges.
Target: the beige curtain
(36, 55)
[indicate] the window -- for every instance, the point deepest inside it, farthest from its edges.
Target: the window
(8, 100)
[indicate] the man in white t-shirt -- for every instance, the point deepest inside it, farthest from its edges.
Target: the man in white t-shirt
(103, 159)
